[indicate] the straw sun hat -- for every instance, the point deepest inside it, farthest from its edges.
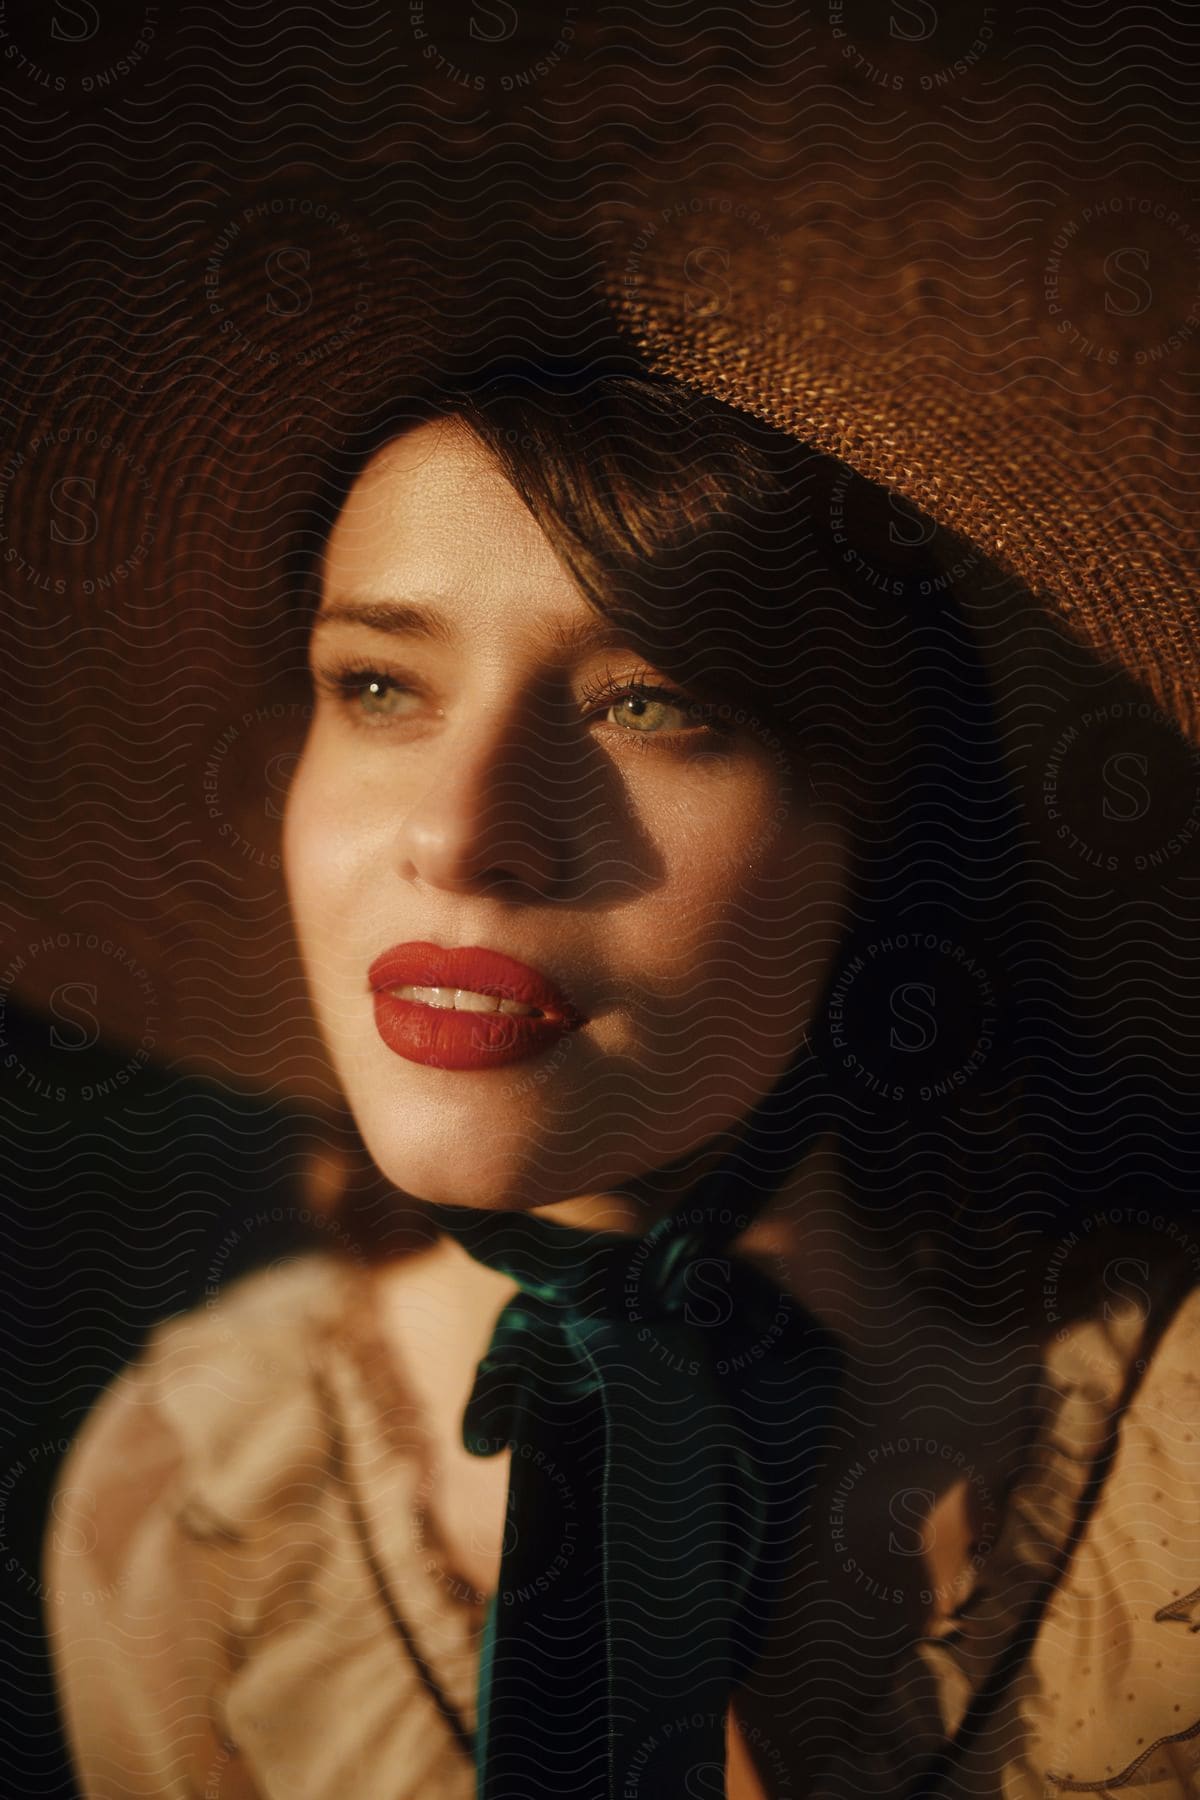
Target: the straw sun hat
(935, 254)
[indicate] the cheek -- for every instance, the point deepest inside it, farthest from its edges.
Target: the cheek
(323, 844)
(751, 844)
(749, 912)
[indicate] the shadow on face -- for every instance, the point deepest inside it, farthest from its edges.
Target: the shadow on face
(495, 762)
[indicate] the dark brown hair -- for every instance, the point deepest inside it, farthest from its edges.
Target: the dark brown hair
(706, 534)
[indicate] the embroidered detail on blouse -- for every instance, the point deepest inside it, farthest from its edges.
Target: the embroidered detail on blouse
(1123, 1776)
(1180, 1612)
(462, 1733)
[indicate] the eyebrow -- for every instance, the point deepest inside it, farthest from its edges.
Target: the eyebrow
(407, 618)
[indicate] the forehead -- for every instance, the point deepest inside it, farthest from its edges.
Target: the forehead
(432, 512)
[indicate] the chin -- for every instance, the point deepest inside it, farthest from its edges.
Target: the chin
(453, 1139)
(421, 1158)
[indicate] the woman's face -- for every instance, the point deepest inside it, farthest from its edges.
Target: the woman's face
(672, 879)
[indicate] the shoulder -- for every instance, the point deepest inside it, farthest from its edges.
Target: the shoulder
(179, 1464)
(1114, 1684)
(232, 1527)
(1150, 1508)
(1095, 1570)
(206, 1387)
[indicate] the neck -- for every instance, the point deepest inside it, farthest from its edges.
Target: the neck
(890, 1318)
(803, 1237)
(634, 1208)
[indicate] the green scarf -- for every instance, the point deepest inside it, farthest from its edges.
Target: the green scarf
(664, 1402)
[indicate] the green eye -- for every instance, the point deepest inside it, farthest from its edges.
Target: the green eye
(641, 714)
(374, 696)
(633, 706)
(645, 708)
(380, 697)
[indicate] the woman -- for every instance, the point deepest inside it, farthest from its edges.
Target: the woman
(735, 1376)
(637, 826)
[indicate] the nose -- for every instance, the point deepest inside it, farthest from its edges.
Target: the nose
(493, 814)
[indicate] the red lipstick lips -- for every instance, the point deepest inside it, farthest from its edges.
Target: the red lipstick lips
(465, 1036)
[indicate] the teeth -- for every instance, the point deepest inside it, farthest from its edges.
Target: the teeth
(463, 1000)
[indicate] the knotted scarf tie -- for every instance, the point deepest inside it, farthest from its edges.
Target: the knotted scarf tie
(663, 1402)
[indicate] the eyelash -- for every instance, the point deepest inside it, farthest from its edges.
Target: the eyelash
(610, 688)
(347, 682)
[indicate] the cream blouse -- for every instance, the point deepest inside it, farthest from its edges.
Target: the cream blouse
(247, 1597)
